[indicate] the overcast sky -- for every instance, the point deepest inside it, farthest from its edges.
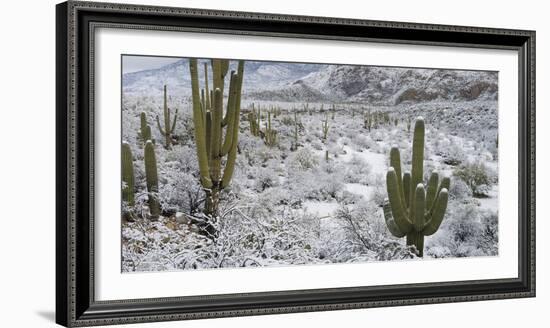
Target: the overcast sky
(139, 63)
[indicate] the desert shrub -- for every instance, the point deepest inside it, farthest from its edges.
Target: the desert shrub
(287, 120)
(313, 185)
(180, 192)
(467, 231)
(331, 167)
(357, 170)
(336, 150)
(304, 159)
(255, 151)
(317, 145)
(345, 141)
(265, 178)
(453, 155)
(459, 190)
(362, 142)
(489, 233)
(476, 178)
(364, 238)
(379, 194)
(348, 198)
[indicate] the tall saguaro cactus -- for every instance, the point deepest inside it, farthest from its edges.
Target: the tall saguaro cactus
(212, 147)
(270, 134)
(325, 127)
(414, 210)
(145, 128)
(294, 145)
(127, 174)
(169, 125)
(151, 177)
(254, 120)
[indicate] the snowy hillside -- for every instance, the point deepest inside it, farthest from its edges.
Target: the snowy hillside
(276, 81)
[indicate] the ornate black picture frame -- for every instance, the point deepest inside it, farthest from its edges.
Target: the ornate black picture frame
(75, 301)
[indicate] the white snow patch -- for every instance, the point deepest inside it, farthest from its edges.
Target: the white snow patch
(322, 209)
(359, 189)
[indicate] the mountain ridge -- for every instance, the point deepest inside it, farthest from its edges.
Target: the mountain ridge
(299, 82)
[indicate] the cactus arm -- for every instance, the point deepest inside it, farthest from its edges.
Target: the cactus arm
(438, 213)
(399, 213)
(143, 126)
(406, 188)
(395, 162)
(431, 191)
(217, 80)
(208, 133)
(417, 174)
(215, 143)
(174, 122)
(160, 127)
(200, 134)
(151, 179)
(230, 116)
(148, 134)
(167, 119)
(232, 156)
(390, 222)
(419, 207)
(207, 93)
(203, 100)
(230, 101)
(128, 174)
(224, 68)
(445, 184)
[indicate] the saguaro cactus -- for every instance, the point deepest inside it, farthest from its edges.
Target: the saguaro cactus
(127, 174)
(270, 134)
(367, 120)
(212, 147)
(145, 129)
(151, 177)
(414, 211)
(325, 127)
(169, 125)
(294, 145)
(254, 120)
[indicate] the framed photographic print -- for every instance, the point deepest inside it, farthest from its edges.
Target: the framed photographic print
(214, 163)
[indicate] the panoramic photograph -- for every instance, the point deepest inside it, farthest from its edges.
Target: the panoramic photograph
(229, 163)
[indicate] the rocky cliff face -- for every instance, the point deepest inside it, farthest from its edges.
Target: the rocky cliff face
(295, 82)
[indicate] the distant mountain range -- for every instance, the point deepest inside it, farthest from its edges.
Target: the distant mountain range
(296, 82)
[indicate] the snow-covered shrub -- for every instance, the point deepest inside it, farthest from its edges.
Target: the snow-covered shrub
(348, 198)
(363, 239)
(180, 192)
(476, 178)
(466, 231)
(453, 155)
(317, 145)
(336, 150)
(304, 159)
(357, 170)
(438, 252)
(362, 142)
(489, 233)
(287, 120)
(459, 190)
(265, 178)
